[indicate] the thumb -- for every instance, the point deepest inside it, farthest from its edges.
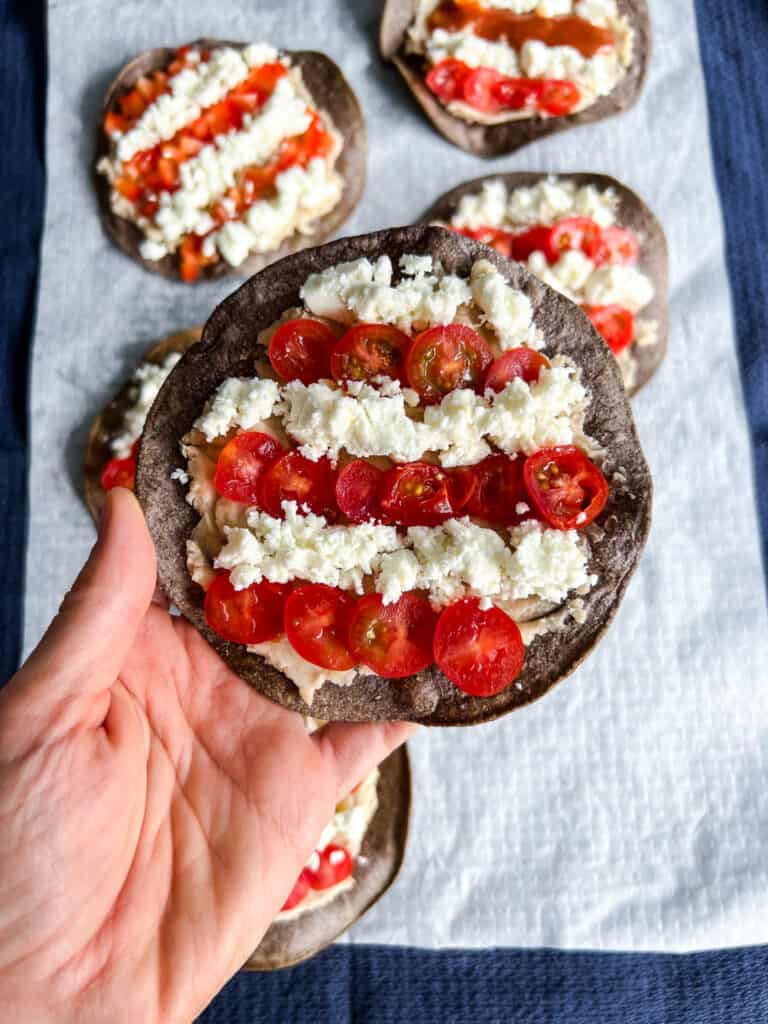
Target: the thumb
(85, 646)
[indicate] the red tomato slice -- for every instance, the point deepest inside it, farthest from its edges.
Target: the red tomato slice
(616, 324)
(119, 473)
(575, 233)
(499, 489)
(416, 494)
(446, 79)
(248, 616)
(480, 89)
(481, 652)
(565, 487)
(301, 350)
(442, 359)
(557, 98)
(517, 94)
(616, 245)
(335, 863)
(316, 624)
(357, 491)
(536, 239)
(294, 478)
(498, 239)
(525, 363)
(298, 892)
(240, 464)
(462, 484)
(395, 640)
(369, 350)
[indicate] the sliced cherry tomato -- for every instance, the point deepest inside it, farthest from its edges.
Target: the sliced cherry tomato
(616, 245)
(557, 98)
(499, 489)
(395, 640)
(416, 494)
(565, 487)
(334, 864)
(480, 651)
(248, 616)
(119, 473)
(298, 892)
(301, 350)
(480, 89)
(292, 477)
(525, 363)
(616, 324)
(497, 238)
(317, 623)
(517, 94)
(575, 233)
(462, 484)
(446, 79)
(369, 350)
(442, 359)
(357, 491)
(536, 239)
(240, 464)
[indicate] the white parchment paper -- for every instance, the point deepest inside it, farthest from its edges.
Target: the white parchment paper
(629, 808)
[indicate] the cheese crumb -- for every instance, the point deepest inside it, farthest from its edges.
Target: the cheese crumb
(238, 402)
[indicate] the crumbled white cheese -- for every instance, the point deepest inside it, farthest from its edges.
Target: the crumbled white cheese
(238, 402)
(621, 285)
(547, 563)
(551, 200)
(507, 310)
(146, 382)
(181, 475)
(152, 250)
(599, 12)
(572, 271)
(472, 50)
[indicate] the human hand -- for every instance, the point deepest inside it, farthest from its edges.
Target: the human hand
(155, 811)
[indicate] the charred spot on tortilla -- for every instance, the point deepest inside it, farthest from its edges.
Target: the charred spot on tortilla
(332, 97)
(227, 350)
(488, 140)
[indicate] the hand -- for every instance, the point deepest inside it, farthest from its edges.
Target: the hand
(155, 811)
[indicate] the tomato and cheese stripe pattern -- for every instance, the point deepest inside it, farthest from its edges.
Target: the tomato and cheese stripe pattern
(491, 61)
(219, 156)
(406, 481)
(570, 237)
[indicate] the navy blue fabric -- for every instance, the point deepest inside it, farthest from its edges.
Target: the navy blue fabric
(379, 985)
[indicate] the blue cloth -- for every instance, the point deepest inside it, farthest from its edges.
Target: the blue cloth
(379, 985)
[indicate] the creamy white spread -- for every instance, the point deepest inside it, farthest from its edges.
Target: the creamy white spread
(145, 385)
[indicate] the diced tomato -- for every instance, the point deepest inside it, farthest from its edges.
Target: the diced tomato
(446, 79)
(480, 89)
(298, 892)
(444, 358)
(616, 245)
(616, 324)
(395, 640)
(192, 259)
(523, 362)
(369, 350)
(497, 238)
(128, 188)
(168, 174)
(557, 98)
(248, 616)
(119, 473)
(517, 94)
(480, 651)
(538, 239)
(317, 623)
(241, 463)
(575, 233)
(357, 491)
(416, 494)
(132, 104)
(565, 487)
(301, 350)
(266, 76)
(499, 490)
(462, 484)
(114, 122)
(334, 864)
(294, 478)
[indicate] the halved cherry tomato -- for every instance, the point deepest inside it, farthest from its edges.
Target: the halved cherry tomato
(575, 233)
(616, 245)
(517, 93)
(497, 238)
(446, 79)
(316, 624)
(480, 651)
(301, 350)
(292, 477)
(616, 324)
(334, 864)
(499, 490)
(369, 350)
(538, 239)
(298, 892)
(565, 487)
(480, 89)
(119, 473)
(442, 359)
(416, 494)
(462, 484)
(357, 491)
(395, 640)
(525, 363)
(240, 464)
(248, 616)
(557, 97)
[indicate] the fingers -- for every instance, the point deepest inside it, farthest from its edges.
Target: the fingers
(85, 646)
(354, 750)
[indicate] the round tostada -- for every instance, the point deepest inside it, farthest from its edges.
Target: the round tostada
(110, 454)
(220, 157)
(493, 75)
(398, 478)
(356, 860)
(589, 237)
